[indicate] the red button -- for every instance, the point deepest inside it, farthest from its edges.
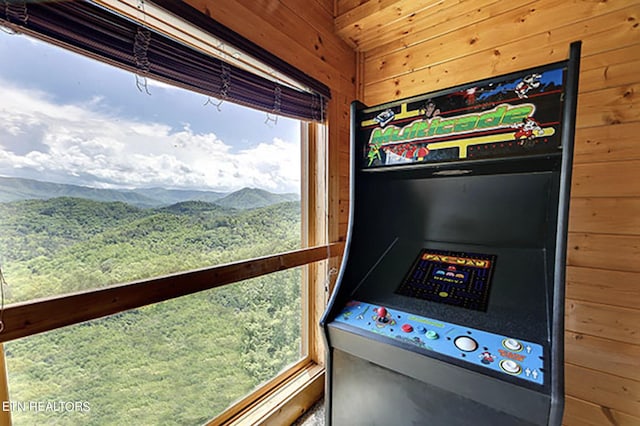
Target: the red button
(407, 328)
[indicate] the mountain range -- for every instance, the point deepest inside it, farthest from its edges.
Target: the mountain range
(17, 189)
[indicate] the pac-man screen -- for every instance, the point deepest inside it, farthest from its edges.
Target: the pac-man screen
(455, 278)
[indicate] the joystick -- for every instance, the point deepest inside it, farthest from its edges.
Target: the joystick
(382, 315)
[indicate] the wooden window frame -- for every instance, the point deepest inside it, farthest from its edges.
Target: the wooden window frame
(283, 398)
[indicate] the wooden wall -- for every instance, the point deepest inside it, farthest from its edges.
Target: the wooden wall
(411, 47)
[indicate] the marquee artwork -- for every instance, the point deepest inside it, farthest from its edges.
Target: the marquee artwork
(518, 114)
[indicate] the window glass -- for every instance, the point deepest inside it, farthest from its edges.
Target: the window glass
(106, 179)
(102, 182)
(178, 362)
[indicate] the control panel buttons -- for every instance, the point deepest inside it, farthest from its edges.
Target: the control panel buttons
(431, 335)
(466, 344)
(512, 345)
(509, 357)
(510, 366)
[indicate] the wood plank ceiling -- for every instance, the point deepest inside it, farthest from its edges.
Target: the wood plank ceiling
(366, 25)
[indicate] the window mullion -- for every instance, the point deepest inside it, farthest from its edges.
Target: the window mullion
(5, 414)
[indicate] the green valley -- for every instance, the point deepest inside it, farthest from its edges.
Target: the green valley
(177, 362)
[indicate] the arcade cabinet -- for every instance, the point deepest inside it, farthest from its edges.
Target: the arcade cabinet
(449, 304)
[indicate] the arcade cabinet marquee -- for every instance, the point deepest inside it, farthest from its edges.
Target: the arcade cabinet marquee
(449, 304)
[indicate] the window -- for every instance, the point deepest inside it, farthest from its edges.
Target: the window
(179, 362)
(102, 186)
(105, 184)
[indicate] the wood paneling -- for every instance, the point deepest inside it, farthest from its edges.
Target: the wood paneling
(617, 358)
(418, 51)
(605, 215)
(423, 23)
(611, 252)
(614, 392)
(374, 21)
(450, 63)
(581, 413)
(278, 30)
(611, 75)
(614, 105)
(605, 144)
(485, 36)
(617, 288)
(606, 179)
(615, 56)
(608, 322)
(343, 6)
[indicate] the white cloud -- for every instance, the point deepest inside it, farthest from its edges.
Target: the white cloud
(80, 144)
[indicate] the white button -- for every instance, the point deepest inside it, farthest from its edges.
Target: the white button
(512, 344)
(465, 343)
(510, 366)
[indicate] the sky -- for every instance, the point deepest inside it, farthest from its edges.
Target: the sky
(70, 119)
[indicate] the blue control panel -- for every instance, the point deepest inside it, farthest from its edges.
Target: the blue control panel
(504, 354)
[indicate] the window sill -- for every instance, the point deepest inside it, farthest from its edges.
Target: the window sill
(283, 404)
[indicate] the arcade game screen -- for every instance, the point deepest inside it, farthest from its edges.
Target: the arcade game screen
(455, 278)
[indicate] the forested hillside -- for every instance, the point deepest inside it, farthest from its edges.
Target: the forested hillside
(177, 362)
(64, 244)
